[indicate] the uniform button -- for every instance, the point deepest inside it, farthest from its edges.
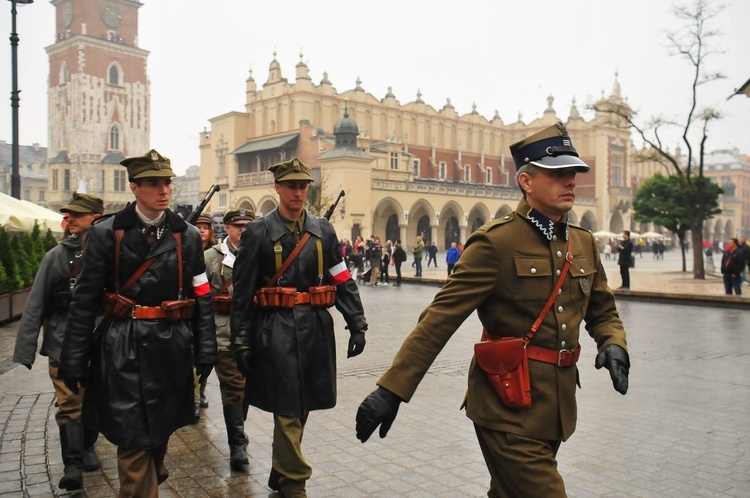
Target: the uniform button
(533, 271)
(563, 327)
(554, 237)
(557, 273)
(583, 271)
(507, 217)
(559, 291)
(560, 309)
(559, 254)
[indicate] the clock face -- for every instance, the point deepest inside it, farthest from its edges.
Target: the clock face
(67, 14)
(111, 15)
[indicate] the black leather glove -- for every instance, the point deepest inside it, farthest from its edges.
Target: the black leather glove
(203, 371)
(73, 384)
(617, 362)
(244, 359)
(379, 408)
(356, 344)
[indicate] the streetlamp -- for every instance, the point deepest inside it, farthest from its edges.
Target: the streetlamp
(15, 177)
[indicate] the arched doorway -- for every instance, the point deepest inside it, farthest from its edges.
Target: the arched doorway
(452, 232)
(423, 228)
(392, 231)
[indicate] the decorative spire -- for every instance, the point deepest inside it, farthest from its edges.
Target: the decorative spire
(250, 71)
(550, 101)
(616, 87)
(325, 80)
(419, 97)
(346, 108)
(448, 104)
(390, 93)
(574, 114)
(358, 88)
(474, 108)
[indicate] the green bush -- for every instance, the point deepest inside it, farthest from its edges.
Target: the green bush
(20, 257)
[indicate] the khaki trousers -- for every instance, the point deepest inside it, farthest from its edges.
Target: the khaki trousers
(287, 452)
(231, 381)
(520, 466)
(141, 471)
(69, 405)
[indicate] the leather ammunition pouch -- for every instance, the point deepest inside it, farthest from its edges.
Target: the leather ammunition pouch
(117, 305)
(506, 365)
(222, 303)
(179, 309)
(322, 295)
(276, 297)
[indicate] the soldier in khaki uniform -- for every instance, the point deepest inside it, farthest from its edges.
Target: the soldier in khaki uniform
(219, 265)
(507, 272)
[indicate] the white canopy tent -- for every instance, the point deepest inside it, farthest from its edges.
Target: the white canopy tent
(20, 216)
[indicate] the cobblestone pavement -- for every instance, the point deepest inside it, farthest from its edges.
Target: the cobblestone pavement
(682, 430)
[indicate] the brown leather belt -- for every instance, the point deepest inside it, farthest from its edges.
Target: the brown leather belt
(148, 313)
(561, 358)
(302, 298)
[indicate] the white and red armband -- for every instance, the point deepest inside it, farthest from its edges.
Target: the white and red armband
(201, 286)
(339, 273)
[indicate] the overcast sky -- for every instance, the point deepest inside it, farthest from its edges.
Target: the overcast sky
(505, 56)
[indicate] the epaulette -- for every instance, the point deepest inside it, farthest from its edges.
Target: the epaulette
(579, 227)
(502, 220)
(102, 218)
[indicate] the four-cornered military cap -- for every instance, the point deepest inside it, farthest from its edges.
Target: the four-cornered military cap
(150, 165)
(238, 216)
(550, 148)
(84, 203)
(204, 218)
(294, 169)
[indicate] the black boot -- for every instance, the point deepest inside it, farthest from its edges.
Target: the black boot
(234, 420)
(71, 442)
(90, 460)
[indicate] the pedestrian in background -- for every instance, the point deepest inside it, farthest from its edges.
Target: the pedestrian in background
(147, 263)
(451, 257)
(508, 268)
(205, 225)
(624, 259)
(47, 307)
(418, 250)
(744, 250)
(732, 265)
(432, 251)
(399, 256)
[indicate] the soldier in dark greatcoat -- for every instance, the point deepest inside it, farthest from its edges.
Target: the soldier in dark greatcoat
(508, 271)
(148, 265)
(281, 326)
(47, 307)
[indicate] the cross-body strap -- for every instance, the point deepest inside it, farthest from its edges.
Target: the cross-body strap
(553, 295)
(295, 252)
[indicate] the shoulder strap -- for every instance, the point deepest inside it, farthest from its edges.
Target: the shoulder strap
(295, 252)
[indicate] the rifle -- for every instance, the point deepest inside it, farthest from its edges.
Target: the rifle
(328, 213)
(199, 209)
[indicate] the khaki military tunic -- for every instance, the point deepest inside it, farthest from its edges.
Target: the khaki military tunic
(506, 272)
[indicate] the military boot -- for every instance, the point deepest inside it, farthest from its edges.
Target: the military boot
(71, 442)
(234, 420)
(90, 460)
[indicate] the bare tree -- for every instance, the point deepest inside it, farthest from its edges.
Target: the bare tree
(691, 43)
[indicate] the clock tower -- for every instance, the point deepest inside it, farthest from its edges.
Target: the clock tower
(99, 99)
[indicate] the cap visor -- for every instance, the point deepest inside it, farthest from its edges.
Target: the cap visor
(74, 209)
(296, 177)
(154, 173)
(560, 162)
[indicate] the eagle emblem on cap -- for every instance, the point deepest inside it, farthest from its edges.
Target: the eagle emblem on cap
(154, 155)
(295, 164)
(243, 212)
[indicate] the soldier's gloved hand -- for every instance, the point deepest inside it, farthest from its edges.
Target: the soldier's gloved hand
(617, 362)
(356, 344)
(379, 408)
(203, 371)
(244, 359)
(73, 384)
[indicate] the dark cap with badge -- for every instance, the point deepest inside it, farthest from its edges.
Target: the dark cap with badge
(84, 203)
(550, 148)
(239, 216)
(294, 169)
(150, 165)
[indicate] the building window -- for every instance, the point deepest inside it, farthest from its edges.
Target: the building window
(42, 197)
(442, 170)
(66, 180)
(114, 137)
(114, 75)
(119, 183)
(55, 180)
(394, 160)
(617, 170)
(467, 173)
(101, 183)
(415, 167)
(27, 194)
(221, 158)
(488, 175)
(63, 76)
(222, 201)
